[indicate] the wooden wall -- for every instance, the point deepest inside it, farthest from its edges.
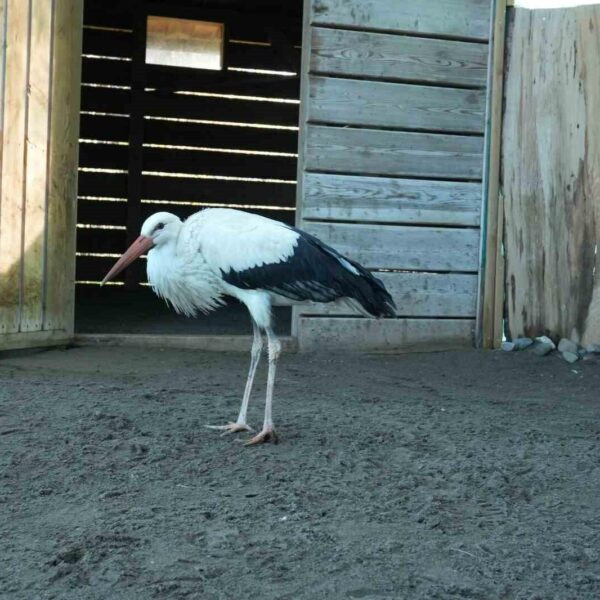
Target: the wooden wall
(391, 159)
(551, 173)
(40, 102)
(169, 138)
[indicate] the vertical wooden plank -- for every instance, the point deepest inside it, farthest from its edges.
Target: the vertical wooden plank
(62, 162)
(13, 164)
(136, 138)
(36, 165)
(489, 322)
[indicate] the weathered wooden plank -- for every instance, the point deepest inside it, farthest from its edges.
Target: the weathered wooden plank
(386, 200)
(107, 43)
(402, 247)
(381, 104)
(62, 193)
(451, 18)
(111, 185)
(380, 55)
(36, 166)
(104, 128)
(106, 100)
(387, 335)
(34, 339)
(96, 240)
(420, 295)
(263, 57)
(103, 156)
(370, 151)
(551, 174)
(105, 71)
(13, 163)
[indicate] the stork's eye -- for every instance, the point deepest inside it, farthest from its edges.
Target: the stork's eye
(159, 227)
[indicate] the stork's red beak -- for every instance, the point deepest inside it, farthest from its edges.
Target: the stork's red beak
(141, 245)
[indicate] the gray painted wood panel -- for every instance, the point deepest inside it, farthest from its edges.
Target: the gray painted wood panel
(385, 56)
(383, 199)
(421, 295)
(452, 18)
(402, 247)
(382, 104)
(375, 152)
(392, 335)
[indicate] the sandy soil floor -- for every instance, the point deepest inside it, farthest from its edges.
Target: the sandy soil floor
(449, 475)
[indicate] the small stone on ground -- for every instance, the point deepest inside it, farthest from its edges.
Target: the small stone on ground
(566, 345)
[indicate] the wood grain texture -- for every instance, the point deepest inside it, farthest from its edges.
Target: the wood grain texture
(36, 166)
(421, 295)
(62, 193)
(385, 56)
(381, 104)
(402, 247)
(370, 151)
(13, 163)
(384, 335)
(387, 200)
(551, 174)
(452, 18)
(34, 339)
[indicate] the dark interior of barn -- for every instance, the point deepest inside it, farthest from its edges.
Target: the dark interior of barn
(212, 121)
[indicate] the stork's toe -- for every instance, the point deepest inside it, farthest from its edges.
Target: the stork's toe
(230, 428)
(266, 435)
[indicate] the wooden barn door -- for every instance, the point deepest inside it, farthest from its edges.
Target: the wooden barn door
(40, 104)
(391, 162)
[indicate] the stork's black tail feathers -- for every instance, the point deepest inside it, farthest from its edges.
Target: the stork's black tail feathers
(353, 281)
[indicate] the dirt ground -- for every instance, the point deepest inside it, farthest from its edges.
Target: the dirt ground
(447, 475)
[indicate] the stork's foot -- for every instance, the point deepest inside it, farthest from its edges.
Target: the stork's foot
(266, 435)
(230, 428)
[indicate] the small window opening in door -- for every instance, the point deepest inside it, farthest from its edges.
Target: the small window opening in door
(184, 43)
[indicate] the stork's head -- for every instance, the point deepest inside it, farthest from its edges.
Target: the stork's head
(158, 229)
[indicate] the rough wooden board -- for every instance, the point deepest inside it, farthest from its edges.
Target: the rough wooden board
(208, 343)
(551, 173)
(62, 194)
(13, 163)
(34, 339)
(402, 247)
(36, 166)
(385, 56)
(391, 335)
(452, 18)
(371, 151)
(383, 199)
(420, 295)
(382, 104)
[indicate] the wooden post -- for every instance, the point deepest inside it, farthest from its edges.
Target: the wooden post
(489, 314)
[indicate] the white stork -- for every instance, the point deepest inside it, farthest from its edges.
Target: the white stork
(221, 252)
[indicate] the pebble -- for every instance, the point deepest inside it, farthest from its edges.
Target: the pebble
(542, 348)
(507, 346)
(570, 357)
(522, 343)
(544, 339)
(593, 349)
(566, 345)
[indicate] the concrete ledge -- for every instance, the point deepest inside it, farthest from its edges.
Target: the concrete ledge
(213, 343)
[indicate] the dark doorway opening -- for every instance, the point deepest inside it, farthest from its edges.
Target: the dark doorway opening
(180, 126)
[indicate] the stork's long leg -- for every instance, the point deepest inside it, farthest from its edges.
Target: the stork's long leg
(274, 349)
(240, 424)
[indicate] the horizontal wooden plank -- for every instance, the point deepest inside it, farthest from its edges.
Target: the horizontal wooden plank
(263, 57)
(218, 190)
(231, 82)
(402, 247)
(107, 43)
(113, 72)
(101, 240)
(89, 268)
(34, 339)
(381, 55)
(451, 18)
(107, 100)
(382, 104)
(370, 151)
(420, 295)
(115, 213)
(108, 13)
(104, 128)
(113, 185)
(220, 109)
(382, 199)
(384, 335)
(219, 163)
(220, 136)
(103, 156)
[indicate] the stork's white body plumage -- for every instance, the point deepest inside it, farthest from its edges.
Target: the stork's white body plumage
(194, 265)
